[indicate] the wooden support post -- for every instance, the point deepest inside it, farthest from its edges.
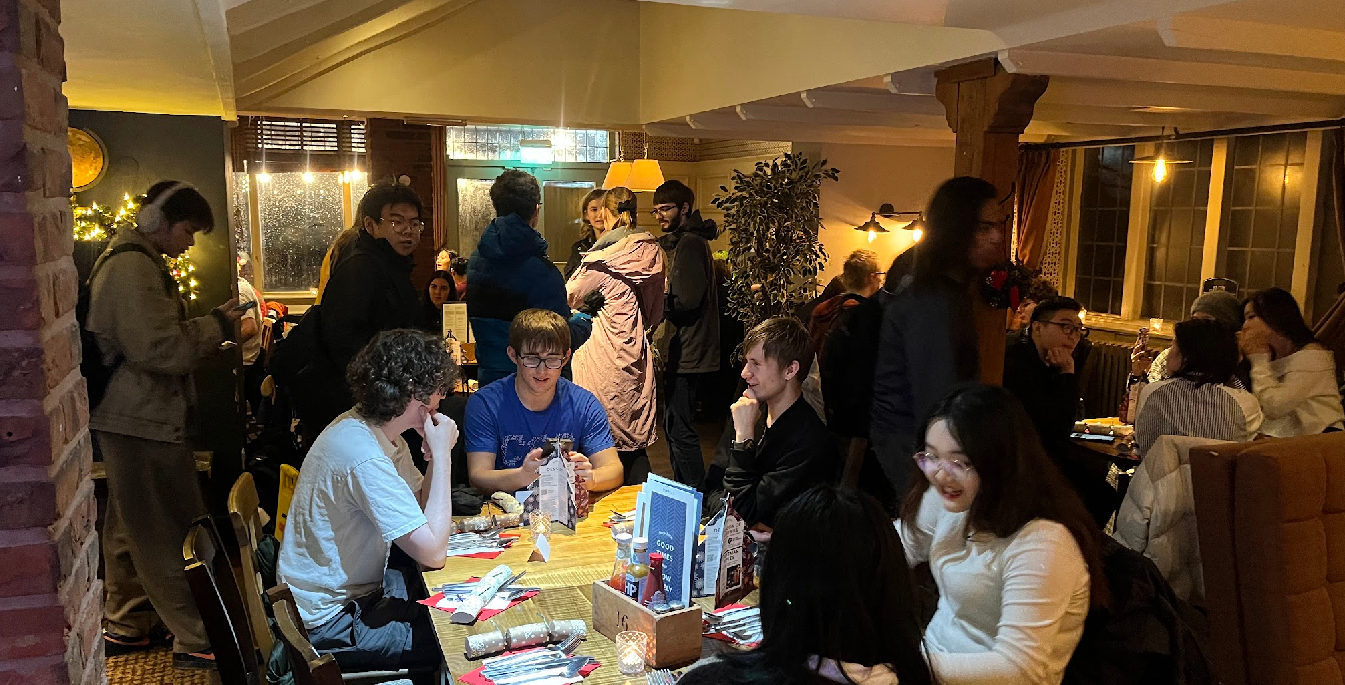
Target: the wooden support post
(988, 108)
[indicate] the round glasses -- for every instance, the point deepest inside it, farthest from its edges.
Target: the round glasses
(533, 361)
(414, 226)
(930, 462)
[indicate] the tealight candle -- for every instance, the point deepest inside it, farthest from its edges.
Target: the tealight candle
(631, 647)
(1155, 325)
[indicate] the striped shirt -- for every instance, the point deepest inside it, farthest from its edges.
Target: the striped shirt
(1177, 406)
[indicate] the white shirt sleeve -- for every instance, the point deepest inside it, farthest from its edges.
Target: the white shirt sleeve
(1278, 398)
(382, 494)
(1044, 602)
(918, 539)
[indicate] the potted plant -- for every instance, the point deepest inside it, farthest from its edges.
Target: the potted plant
(774, 251)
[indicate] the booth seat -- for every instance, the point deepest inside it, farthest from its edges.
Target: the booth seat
(1272, 543)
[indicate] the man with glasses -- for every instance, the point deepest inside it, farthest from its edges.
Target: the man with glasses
(369, 292)
(692, 311)
(1040, 369)
(509, 421)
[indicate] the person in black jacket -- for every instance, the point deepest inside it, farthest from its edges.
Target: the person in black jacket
(369, 292)
(692, 310)
(927, 342)
(1039, 369)
(781, 452)
(591, 228)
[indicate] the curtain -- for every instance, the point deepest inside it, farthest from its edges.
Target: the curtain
(1037, 169)
(1331, 328)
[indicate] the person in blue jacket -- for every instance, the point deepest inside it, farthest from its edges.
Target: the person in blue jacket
(509, 272)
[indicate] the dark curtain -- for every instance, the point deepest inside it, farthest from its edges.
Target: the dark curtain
(1036, 184)
(1330, 328)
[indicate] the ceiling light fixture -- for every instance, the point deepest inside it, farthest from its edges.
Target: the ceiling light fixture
(642, 175)
(1162, 160)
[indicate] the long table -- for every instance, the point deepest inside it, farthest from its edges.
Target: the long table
(577, 559)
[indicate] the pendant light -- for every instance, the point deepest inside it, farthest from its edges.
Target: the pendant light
(643, 175)
(1161, 161)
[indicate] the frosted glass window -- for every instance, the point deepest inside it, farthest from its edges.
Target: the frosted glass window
(475, 212)
(298, 222)
(239, 222)
(502, 143)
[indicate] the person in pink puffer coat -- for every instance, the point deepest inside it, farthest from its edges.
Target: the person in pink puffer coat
(617, 363)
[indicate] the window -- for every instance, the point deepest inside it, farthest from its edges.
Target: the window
(504, 143)
(1104, 222)
(1176, 231)
(1260, 219)
(298, 214)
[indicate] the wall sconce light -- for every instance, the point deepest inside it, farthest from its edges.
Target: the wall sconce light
(887, 211)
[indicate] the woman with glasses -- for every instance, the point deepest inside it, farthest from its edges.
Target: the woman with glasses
(1201, 397)
(1016, 558)
(591, 229)
(617, 365)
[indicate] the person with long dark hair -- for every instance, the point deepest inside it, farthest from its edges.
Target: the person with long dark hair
(928, 342)
(1200, 398)
(1293, 375)
(439, 291)
(1016, 557)
(834, 608)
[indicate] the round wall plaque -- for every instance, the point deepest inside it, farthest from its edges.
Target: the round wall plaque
(88, 158)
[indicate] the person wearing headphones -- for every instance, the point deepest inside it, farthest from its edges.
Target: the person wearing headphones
(148, 349)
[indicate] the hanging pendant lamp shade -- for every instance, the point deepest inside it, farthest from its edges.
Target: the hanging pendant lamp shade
(617, 175)
(645, 176)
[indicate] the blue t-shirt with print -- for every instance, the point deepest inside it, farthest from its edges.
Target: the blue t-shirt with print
(498, 422)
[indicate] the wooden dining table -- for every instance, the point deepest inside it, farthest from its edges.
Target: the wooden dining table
(578, 558)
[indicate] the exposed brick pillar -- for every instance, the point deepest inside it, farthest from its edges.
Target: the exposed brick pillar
(50, 601)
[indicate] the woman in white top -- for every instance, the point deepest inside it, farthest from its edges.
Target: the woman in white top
(1293, 376)
(1016, 557)
(1200, 397)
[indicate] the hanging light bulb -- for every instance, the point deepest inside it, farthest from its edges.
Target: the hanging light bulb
(873, 235)
(263, 177)
(1160, 170)
(917, 234)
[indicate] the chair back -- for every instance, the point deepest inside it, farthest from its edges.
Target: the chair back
(1272, 544)
(306, 665)
(247, 525)
(220, 604)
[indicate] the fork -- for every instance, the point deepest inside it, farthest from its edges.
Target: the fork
(569, 644)
(661, 676)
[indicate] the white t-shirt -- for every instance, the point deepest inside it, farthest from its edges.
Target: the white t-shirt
(354, 497)
(1011, 610)
(252, 347)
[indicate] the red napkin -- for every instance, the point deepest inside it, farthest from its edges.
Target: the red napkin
(724, 637)
(433, 600)
(488, 555)
(476, 678)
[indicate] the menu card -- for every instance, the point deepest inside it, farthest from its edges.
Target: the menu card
(668, 513)
(456, 322)
(553, 492)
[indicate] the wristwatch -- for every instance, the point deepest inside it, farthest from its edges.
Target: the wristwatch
(743, 445)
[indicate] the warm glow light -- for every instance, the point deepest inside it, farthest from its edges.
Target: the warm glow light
(263, 177)
(308, 177)
(1083, 316)
(917, 234)
(873, 235)
(617, 174)
(1160, 170)
(645, 176)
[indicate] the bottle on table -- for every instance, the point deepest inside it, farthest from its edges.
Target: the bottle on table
(618, 579)
(653, 585)
(638, 569)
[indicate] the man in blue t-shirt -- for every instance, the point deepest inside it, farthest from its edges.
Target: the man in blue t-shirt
(508, 421)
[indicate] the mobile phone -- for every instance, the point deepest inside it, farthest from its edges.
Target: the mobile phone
(245, 306)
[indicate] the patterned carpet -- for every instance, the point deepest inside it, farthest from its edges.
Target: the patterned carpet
(154, 667)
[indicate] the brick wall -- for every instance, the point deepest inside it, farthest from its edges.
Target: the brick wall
(50, 600)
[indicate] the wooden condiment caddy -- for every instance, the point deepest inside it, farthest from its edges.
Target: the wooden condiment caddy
(674, 636)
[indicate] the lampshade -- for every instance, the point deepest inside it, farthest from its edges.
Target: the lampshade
(617, 175)
(871, 226)
(645, 176)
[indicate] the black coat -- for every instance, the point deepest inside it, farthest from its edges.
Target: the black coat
(794, 454)
(1050, 397)
(692, 305)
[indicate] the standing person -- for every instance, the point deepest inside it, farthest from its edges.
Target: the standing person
(862, 625)
(591, 228)
(141, 422)
(1199, 398)
(1293, 375)
(438, 292)
(250, 336)
(370, 291)
(359, 494)
(1017, 559)
(510, 272)
(458, 267)
(692, 309)
(927, 342)
(617, 364)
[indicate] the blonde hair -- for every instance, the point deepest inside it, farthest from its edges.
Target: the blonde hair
(586, 226)
(620, 201)
(859, 267)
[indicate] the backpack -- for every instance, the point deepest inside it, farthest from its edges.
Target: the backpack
(1146, 635)
(96, 372)
(849, 357)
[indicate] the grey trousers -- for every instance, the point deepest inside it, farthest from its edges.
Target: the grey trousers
(152, 498)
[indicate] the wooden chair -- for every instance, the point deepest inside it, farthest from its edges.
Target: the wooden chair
(217, 598)
(282, 603)
(306, 665)
(247, 525)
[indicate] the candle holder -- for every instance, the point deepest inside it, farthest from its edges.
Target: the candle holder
(1156, 325)
(631, 648)
(540, 524)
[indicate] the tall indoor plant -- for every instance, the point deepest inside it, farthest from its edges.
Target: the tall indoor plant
(774, 249)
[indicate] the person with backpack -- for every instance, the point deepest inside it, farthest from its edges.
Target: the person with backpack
(140, 352)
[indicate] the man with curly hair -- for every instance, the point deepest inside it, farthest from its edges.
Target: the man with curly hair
(509, 420)
(358, 493)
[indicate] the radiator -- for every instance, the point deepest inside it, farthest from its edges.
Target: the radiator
(1103, 382)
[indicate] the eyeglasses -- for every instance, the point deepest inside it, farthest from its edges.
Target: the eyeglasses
(533, 361)
(662, 209)
(401, 225)
(1068, 327)
(930, 462)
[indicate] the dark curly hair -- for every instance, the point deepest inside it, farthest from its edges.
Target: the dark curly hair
(396, 367)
